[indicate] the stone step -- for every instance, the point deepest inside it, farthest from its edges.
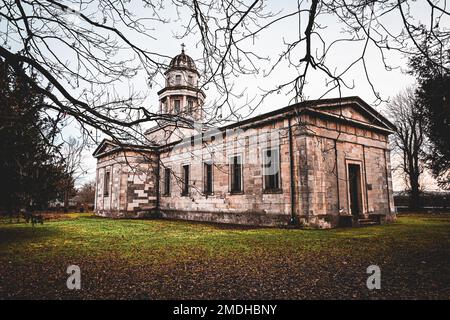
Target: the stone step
(366, 222)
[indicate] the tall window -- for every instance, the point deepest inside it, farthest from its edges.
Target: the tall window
(106, 184)
(190, 106)
(271, 164)
(185, 186)
(236, 174)
(177, 105)
(208, 178)
(164, 106)
(167, 173)
(178, 79)
(191, 80)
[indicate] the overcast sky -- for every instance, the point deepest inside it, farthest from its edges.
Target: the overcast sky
(270, 43)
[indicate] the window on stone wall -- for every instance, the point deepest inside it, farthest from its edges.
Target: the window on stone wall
(178, 79)
(185, 186)
(167, 173)
(271, 166)
(177, 104)
(191, 80)
(190, 106)
(208, 177)
(236, 174)
(106, 184)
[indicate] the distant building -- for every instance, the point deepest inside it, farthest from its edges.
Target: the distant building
(321, 163)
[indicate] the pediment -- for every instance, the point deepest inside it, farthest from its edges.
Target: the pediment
(108, 146)
(357, 110)
(104, 147)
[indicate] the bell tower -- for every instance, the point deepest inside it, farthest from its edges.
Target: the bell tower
(181, 98)
(181, 95)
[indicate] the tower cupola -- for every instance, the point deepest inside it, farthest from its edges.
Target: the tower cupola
(181, 95)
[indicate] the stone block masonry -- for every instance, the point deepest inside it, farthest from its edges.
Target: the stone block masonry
(337, 165)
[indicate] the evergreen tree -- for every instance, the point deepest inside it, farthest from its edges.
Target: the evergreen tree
(433, 96)
(29, 168)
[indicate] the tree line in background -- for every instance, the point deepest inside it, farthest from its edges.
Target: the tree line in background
(35, 169)
(84, 49)
(87, 50)
(422, 119)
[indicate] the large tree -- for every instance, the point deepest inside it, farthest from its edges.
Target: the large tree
(433, 95)
(409, 141)
(30, 172)
(86, 193)
(85, 48)
(72, 153)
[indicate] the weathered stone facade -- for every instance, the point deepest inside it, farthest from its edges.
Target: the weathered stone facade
(131, 188)
(332, 159)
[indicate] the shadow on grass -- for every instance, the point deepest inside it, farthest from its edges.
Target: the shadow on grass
(25, 232)
(212, 224)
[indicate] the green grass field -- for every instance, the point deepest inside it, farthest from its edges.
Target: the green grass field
(161, 259)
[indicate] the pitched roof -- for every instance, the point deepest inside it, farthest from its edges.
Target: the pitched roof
(316, 107)
(102, 149)
(319, 105)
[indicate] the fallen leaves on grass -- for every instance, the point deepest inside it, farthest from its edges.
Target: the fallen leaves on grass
(157, 259)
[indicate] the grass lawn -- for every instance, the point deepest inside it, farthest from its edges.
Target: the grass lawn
(161, 259)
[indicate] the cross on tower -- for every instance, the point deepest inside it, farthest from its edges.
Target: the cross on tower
(182, 47)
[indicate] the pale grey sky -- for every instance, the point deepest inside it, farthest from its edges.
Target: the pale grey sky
(270, 43)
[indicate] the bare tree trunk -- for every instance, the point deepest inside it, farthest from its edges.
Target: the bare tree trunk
(414, 202)
(409, 141)
(66, 197)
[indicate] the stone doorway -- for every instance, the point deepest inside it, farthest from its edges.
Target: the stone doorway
(354, 189)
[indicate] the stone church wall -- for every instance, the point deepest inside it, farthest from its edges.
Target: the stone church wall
(254, 205)
(324, 181)
(322, 151)
(132, 184)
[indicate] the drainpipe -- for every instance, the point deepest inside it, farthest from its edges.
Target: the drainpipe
(387, 182)
(365, 179)
(293, 221)
(337, 176)
(158, 183)
(110, 187)
(96, 189)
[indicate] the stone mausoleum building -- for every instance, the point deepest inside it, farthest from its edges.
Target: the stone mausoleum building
(322, 163)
